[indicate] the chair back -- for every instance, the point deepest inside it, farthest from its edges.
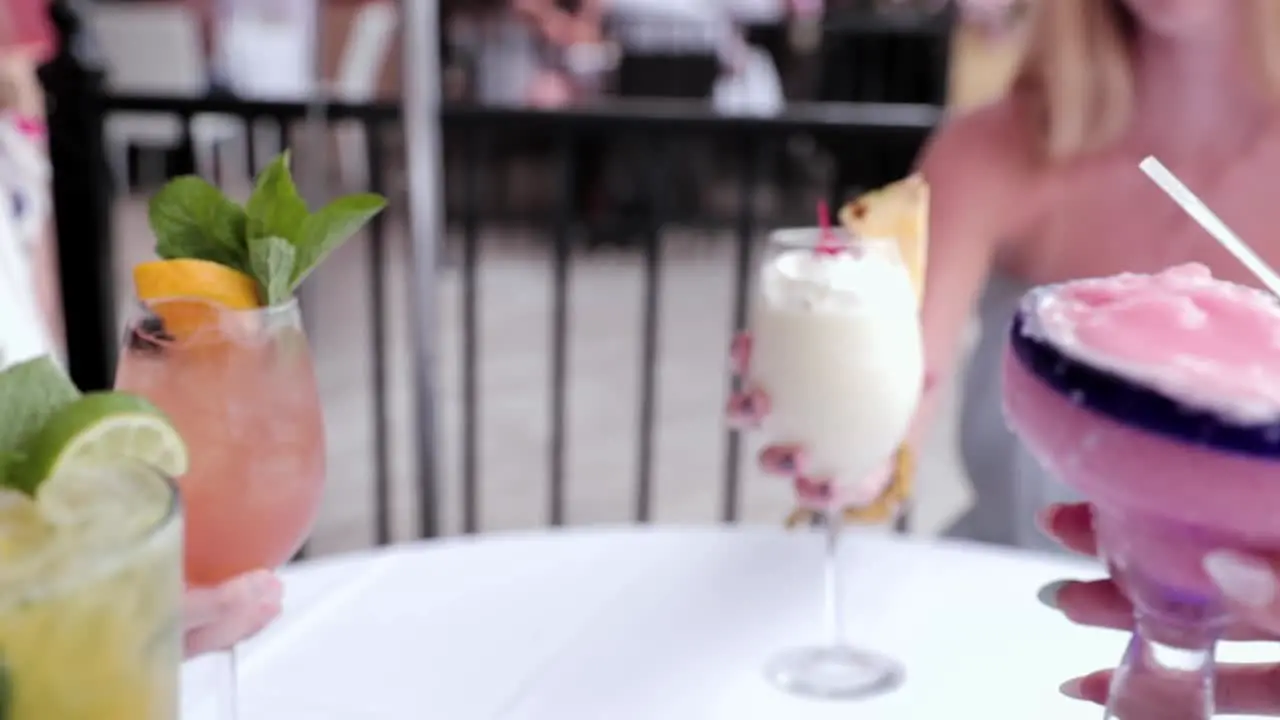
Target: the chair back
(368, 45)
(151, 48)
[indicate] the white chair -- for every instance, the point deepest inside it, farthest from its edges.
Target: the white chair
(753, 89)
(365, 53)
(156, 49)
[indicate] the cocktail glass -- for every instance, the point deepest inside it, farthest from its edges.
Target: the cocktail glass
(1169, 484)
(90, 611)
(240, 387)
(836, 349)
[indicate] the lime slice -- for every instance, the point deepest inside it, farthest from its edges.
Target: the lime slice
(23, 529)
(99, 429)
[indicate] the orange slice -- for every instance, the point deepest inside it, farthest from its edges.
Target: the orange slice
(187, 293)
(898, 211)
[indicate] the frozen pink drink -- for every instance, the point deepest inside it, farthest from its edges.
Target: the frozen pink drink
(1158, 398)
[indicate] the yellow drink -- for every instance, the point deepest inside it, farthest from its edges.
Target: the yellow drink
(90, 598)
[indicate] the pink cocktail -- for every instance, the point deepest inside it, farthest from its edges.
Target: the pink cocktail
(1158, 398)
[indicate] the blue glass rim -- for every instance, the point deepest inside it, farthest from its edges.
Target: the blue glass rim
(1135, 405)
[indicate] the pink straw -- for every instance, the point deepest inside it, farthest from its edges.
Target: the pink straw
(827, 243)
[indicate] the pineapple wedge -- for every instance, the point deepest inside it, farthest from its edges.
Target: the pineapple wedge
(897, 211)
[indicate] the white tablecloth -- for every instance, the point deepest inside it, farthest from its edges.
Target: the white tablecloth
(662, 624)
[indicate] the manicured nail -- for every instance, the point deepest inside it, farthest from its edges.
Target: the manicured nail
(740, 354)
(794, 461)
(1243, 579)
(1045, 518)
(1048, 595)
(740, 412)
(1073, 689)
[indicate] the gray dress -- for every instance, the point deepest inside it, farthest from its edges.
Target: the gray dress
(1009, 485)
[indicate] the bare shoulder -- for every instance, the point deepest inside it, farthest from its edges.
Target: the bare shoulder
(981, 172)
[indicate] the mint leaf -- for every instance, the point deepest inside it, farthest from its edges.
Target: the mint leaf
(275, 207)
(272, 260)
(30, 393)
(193, 219)
(332, 225)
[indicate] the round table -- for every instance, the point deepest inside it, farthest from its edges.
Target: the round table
(639, 624)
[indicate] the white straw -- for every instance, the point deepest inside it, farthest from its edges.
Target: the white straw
(1212, 224)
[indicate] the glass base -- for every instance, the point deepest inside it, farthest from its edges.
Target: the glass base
(834, 673)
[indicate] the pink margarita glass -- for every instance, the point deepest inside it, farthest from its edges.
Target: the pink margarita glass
(1158, 398)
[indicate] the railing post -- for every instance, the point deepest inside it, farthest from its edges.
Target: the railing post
(421, 106)
(82, 195)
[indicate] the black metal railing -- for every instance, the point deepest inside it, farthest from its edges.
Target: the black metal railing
(659, 134)
(649, 144)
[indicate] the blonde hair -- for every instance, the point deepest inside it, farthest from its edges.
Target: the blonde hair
(1077, 76)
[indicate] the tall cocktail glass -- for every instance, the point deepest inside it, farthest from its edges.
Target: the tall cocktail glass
(1147, 394)
(836, 349)
(240, 387)
(90, 608)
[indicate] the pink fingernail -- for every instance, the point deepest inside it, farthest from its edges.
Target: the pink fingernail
(929, 381)
(739, 414)
(1045, 518)
(740, 353)
(795, 461)
(1073, 689)
(759, 405)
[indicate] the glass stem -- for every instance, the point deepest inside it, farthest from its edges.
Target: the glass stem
(834, 585)
(1167, 672)
(229, 690)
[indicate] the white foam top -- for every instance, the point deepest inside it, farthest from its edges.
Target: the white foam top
(841, 283)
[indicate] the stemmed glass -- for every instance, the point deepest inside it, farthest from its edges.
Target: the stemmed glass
(836, 350)
(240, 387)
(1169, 484)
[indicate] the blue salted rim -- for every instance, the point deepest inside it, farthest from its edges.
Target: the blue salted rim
(1134, 405)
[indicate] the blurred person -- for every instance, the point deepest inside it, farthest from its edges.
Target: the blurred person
(1042, 186)
(511, 49)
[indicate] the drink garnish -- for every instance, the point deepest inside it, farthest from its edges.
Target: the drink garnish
(187, 294)
(49, 427)
(827, 242)
(897, 211)
(272, 238)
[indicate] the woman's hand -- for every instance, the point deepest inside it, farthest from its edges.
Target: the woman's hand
(750, 406)
(748, 409)
(1250, 585)
(218, 618)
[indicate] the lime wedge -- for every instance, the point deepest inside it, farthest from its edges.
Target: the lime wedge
(99, 429)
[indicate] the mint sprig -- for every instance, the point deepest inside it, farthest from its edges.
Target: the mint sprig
(273, 237)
